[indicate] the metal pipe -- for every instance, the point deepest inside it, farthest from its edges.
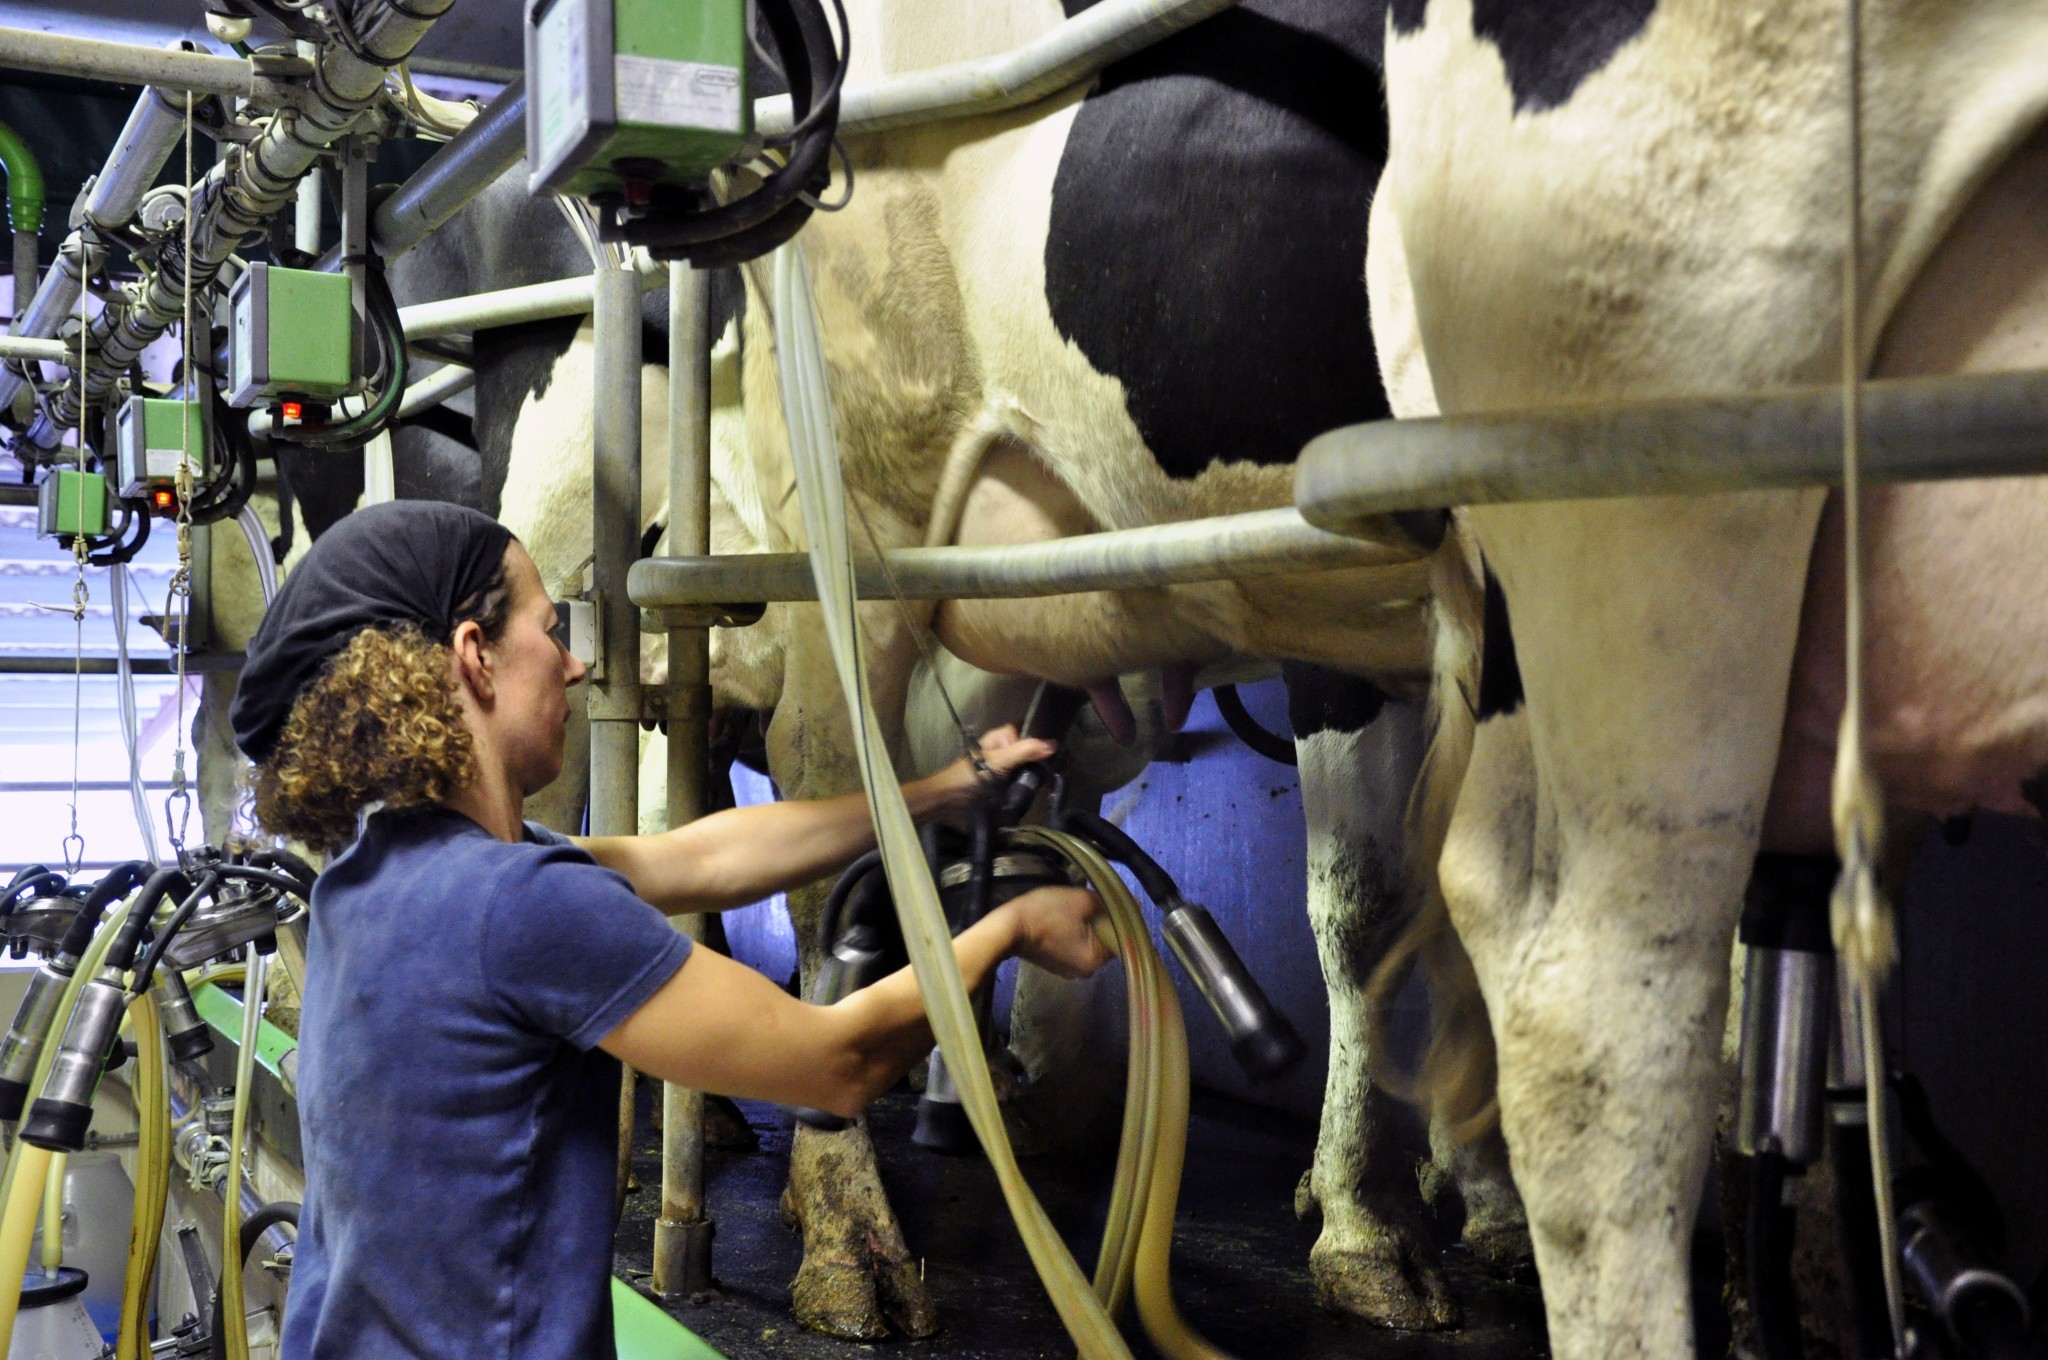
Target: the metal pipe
(1234, 547)
(306, 217)
(22, 347)
(614, 688)
(468, 163)
(24, 209)
(107, 665)
(682, 1234)
(27, 49)
(249, 184)
(1915, 429)
(152, 130)
(514, 306)
(1071, 52)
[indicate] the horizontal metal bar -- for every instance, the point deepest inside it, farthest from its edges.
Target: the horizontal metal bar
(23, 347)
(1914, 429)
(28, 49)
(514, 306)
(1261, 543)
(1069, 53)
(201, 664)
(90, 786)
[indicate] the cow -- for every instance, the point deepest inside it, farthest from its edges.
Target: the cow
(1615, 199)
(1128, 305)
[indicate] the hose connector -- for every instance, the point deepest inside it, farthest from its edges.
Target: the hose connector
(59, 1119)
(184, 1032)
(27, 1035)
(1262, 1039)
(1982, 1309)
(1788, 1008)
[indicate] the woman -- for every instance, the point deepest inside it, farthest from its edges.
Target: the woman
(473, 978)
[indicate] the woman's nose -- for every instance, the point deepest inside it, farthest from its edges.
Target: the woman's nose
(573, 668)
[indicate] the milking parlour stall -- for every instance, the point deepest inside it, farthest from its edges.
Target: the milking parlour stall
(704, 678)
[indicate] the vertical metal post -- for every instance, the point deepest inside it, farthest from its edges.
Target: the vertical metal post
(379, 479)
(682, 1235)
(614, 689)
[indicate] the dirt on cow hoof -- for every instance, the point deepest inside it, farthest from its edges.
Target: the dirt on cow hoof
(1396, 1286)
(726, 1129)
(1502, 1248)
(1307, 1208)
(858, 1280)
(858, 1303)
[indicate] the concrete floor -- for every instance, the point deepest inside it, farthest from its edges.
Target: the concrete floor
(1240, 1259)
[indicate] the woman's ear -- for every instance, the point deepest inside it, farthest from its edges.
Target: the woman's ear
(472, 660)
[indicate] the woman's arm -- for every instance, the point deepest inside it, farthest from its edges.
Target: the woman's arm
(720, 1026)
(742, 855)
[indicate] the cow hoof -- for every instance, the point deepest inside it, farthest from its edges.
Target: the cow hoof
(1307, 1208)
(1394, 1285)
(1502, 1247)
(858, 1280)
(726, 1128)
(863, 1302)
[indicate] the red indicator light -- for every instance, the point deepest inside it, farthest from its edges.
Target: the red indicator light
(294, 410)
(164, 499)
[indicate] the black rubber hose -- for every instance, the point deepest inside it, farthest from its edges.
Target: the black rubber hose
(21, 876)
(1856, 1221)
(1768, 1257)
(1157, 883)
(1246, 728)
(253, 1228)
(121, 953)
(30, 886)
(835, 901)
(117, 883)
(794, 26)
(146, 970)
(285, 862)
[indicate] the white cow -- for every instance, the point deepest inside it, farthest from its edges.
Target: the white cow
(1598, 200)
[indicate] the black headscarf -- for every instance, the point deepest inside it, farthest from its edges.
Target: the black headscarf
(400, 562)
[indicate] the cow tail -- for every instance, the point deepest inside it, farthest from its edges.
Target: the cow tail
(1455, 1080)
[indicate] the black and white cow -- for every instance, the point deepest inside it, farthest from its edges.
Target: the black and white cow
(1128, 305)
(1611, 199)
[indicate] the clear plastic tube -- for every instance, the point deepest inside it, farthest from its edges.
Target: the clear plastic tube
(125, 688)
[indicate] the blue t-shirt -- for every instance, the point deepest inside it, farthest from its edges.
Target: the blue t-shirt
(460, 1128)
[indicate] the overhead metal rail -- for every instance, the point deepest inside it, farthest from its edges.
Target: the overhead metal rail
(1226, 547)
(57, 54)
(1914, 429)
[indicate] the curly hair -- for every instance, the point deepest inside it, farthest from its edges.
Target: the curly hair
(379, 724)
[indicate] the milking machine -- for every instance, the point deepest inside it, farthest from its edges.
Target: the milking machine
(989, 864)
(1802, 1096)
(117, 951)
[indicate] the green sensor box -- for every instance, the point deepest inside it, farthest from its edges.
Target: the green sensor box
(653, 91)
(291, 332)
(151, 436)
(71, 502)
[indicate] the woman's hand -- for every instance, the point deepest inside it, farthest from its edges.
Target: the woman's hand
(952, 791)
(1055, 929)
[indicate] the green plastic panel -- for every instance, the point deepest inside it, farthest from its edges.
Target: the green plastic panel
(646, 1333)
(312, 332)
(72, 502)
(223, 1012)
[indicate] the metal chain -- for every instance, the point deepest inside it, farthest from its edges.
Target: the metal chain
(180, 796)
(1862, 926)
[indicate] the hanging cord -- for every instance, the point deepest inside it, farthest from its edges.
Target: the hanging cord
(74, 843)
(1862, 922)
(180, 797)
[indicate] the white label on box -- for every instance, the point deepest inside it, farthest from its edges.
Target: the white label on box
(677, 93)
(164, 462)
(565, 106)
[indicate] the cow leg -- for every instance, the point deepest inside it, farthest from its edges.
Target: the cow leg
(858, 1279)
(1358, 756)
(1595, 870)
